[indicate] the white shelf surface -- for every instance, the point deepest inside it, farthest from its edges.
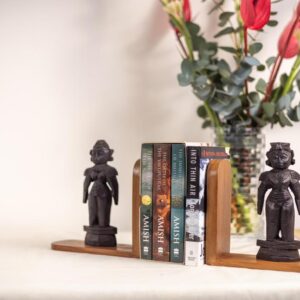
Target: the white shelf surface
(29, 269)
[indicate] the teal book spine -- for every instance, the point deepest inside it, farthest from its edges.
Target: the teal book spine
(177, 203)
(146, 201)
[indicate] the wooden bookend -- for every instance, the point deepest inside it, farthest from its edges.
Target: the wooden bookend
(122, 250)
(218, 225)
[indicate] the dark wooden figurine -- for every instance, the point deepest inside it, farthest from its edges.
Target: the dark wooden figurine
(99, 198)
(280, 215)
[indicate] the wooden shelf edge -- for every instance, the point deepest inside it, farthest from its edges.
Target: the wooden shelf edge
(122, 250)
(250, 262)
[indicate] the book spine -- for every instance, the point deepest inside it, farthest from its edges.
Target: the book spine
(193, 250)
(161, 201)
(146, 201)
(177, 203)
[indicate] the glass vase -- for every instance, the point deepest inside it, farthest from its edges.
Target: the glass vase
(247, 147)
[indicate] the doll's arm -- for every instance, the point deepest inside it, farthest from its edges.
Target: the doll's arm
(86, 184)
(113, 183)
(295, 188)
(261, 192)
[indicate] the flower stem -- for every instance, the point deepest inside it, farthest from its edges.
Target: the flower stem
(246, 54)
(181, 45)
(278, 63)
(292, 77)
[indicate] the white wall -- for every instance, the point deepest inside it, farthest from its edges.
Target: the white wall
(72, 72)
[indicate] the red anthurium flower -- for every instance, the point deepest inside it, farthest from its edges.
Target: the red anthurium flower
(255, 13)
(288, 44)
(289, 48)
(186, 10)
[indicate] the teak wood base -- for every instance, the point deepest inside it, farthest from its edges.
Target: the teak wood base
(218, 225)
(121, 250)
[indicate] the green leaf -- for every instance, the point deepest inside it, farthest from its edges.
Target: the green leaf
(224, 17)
(261, 68)
(283, 79)
(201, 111)
(270, 61)
(231, 107)
(294, 114)
(193, 28)
(260, 122)
(206, 124)
(284, 102)
(255, 103)
(255, 48)
(269, 109)
(251, 61)
(217, 6)
(224, 69)
(283, 119)
(203, 93)
(239, 76)
(224, 31)
(186, 76)
(272, 23)
(200, 81)
(228, 49)
(261, 86)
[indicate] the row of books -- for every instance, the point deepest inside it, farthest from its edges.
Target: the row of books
(172, 211)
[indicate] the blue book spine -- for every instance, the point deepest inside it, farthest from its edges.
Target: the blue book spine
(177, 203)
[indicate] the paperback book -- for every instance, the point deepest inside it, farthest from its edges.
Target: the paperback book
(146, 201)
(198, 158)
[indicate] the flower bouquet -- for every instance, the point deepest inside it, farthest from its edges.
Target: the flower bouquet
(221, 76)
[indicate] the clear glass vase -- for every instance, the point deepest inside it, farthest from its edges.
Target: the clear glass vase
(247, 147)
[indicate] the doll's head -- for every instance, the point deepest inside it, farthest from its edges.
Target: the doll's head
(101, 153)
(280, 156)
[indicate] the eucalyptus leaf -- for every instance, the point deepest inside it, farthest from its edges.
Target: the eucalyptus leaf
(255, 48)
(269, 109)
(200, 80)
(224, 17)
(225, 31)
(283, 119)
(201, 111)
(261, 86)
(206, 124)
(272, 23)
(251, 61)
(204, 93)
(270, 61)
(284, 102)
(261, 68)
(228, 49)
(186, 76)
(239, 76)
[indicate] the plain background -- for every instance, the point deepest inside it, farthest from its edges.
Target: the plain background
(74, 71)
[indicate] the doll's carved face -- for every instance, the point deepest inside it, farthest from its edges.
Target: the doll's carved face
(280, 159)
(101, 153)
(100, 156)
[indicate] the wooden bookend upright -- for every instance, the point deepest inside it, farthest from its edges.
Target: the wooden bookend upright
(122, 250)
(218, 225)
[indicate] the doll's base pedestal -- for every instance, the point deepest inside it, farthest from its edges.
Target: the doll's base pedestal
(97, 236)
(278, 251)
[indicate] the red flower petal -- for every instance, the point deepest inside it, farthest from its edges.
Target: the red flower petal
(262, 14)
(293, 45)
(187, 10)
(248, 12)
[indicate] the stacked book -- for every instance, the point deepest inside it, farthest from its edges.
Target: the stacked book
(172, 211)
